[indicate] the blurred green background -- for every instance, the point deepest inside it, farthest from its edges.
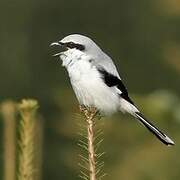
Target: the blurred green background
(143, 38)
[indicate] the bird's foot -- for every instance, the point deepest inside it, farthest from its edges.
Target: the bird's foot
(89, 112)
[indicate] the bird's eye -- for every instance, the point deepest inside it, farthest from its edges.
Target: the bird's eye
(80, 47)
(72, 45)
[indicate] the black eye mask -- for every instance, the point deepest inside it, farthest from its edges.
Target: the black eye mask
(72, 45)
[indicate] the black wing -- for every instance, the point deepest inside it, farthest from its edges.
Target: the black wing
(111, 80)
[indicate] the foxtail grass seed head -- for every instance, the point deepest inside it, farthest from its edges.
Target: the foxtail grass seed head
(28, 109)
(8, 111)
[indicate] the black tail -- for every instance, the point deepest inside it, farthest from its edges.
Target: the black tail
(161, 136)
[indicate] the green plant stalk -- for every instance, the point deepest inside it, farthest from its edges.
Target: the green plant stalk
(26, 170)
(8, 110)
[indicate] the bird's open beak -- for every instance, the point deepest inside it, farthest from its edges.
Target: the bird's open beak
(58, 44)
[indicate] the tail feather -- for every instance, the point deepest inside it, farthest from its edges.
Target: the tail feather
(161, 136)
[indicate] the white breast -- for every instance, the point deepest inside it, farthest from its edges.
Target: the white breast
(88, 85)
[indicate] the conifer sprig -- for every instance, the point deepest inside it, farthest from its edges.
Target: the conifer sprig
(90, 140)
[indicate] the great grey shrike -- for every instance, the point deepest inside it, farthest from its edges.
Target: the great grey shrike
(96, 81)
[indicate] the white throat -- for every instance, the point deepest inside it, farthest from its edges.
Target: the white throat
(70, 57)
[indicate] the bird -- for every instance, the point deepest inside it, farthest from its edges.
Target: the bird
(96, 81)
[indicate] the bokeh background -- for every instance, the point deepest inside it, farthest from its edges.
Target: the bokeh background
(142, 37)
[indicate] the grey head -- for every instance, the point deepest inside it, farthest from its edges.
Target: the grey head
(80, 43)
(86, 45)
